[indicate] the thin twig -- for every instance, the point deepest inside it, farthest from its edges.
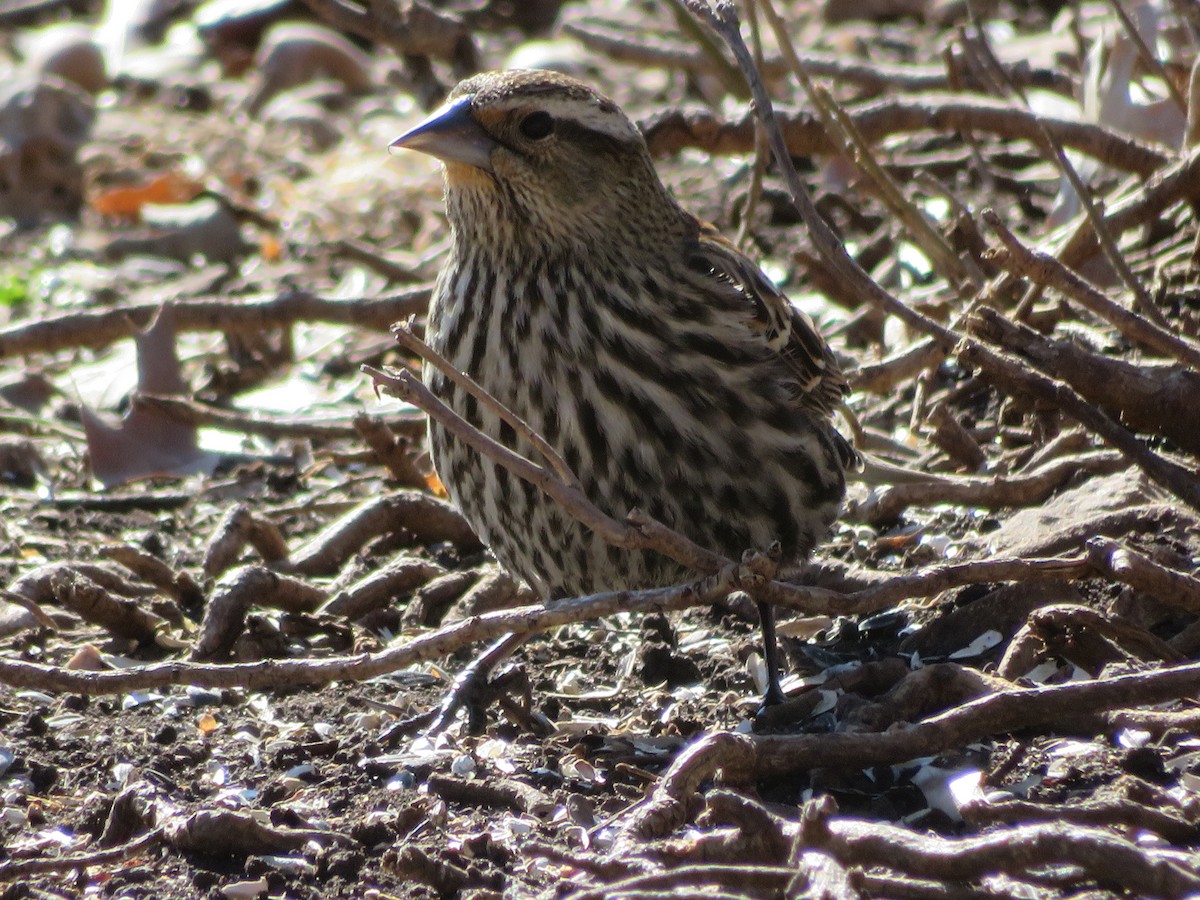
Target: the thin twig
(1014, 377)
(723, 19)
(98, 327)
(407, 339)
(1046, 270)
(1092, 208)
(567, 495)
(839, 123)
(1149, 57)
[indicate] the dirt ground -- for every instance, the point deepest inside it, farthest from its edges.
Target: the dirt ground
(233, 598)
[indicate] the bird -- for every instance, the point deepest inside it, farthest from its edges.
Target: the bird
(658, 360)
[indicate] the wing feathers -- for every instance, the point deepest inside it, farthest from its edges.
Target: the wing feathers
(787, 329)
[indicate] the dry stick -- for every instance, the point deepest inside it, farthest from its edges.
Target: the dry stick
(95, 328)
(1105, 813)
(696, 880)
(1014, 377)
(427, 518)
(769, 756)
(1104, 856)
(840, 127)
(374, 260)
(1178, 589)
(24, 868)
(730, 78)
(924, 583)
(674, 129)
(566, 493)
(881, 883)
(1149, 57)
(775, 756)
(882, 377)
(438, 644)
(1091, 208)
(417, 29)
(191, 412)
(1048, 271)
(409, 341)
(642, 532)
(617, 41)
(1176, 479)
(1025, 489)
(1178, 182)
(762, 151)
(1024, 848)
(1155, 721)
(932, 242)
(535, 618)
(724, 21)
(1154, 398)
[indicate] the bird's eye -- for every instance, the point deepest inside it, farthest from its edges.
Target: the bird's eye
(537, 125)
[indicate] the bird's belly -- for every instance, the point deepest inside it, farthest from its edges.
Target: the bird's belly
(728, 480)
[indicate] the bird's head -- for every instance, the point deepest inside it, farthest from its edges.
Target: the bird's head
(541, 150)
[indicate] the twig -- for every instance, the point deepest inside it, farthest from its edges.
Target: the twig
(675, 129)
(762, 150)
(1011, 376)
(414, 28)
(1153, 397)
(427, 518)
(640, 531)
(1046, 270)
(882, 377)
(535, 618)
(96, 328)
(191, 412)
(1054, 150)
(697, 880)
(775, 756)
(567, 495)
(1179, 589)
(1101, 854)
(23, 868)
(1149, 57)
(407, 339)
(1027, 489)
(438, 644)
(618, 41)
(396, 454)
(723, 19)
(841, 127)
(922, 583)
(1103, 814)
(1178, 182)
(729, 76)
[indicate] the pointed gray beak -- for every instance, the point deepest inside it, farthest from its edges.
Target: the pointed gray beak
(452, 135)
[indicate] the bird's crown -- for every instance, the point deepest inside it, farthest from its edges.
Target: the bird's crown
(566, 100)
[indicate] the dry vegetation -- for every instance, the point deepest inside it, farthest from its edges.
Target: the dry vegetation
(233, 600)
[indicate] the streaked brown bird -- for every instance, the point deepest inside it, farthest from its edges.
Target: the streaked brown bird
(660, 362)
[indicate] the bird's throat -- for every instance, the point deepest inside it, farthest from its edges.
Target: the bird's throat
(463, 176)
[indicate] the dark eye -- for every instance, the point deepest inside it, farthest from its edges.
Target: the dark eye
(537, 125)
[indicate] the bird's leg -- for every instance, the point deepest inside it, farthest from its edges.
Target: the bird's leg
(774, 694)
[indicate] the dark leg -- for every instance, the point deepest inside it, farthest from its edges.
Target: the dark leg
(774, 695)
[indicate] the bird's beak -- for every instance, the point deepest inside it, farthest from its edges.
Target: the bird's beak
(452, 135)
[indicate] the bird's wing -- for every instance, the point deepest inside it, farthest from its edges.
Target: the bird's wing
(820, 385)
